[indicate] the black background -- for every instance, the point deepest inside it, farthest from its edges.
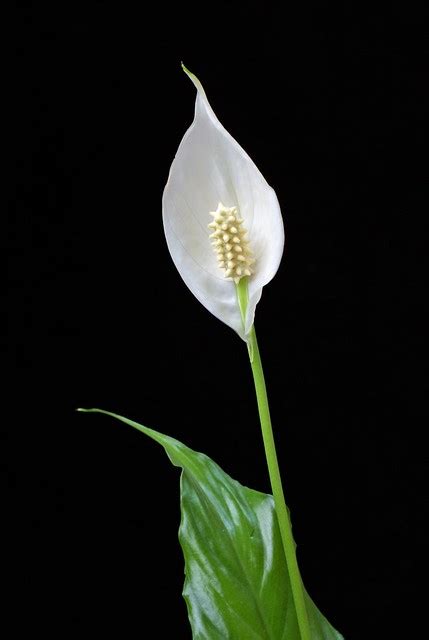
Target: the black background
(329, 103)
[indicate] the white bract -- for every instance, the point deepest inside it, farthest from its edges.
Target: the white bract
(215, 195)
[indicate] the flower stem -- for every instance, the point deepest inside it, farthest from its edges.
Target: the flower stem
(276, 485)
(273, 470)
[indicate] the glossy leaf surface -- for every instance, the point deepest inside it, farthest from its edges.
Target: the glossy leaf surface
(237, 585)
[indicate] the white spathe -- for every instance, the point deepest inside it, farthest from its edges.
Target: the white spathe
(210, 168)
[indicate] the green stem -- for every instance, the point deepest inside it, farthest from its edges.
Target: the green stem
(274, 472)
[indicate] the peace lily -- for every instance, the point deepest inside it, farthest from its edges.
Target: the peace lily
(237, 585)
(215, 195)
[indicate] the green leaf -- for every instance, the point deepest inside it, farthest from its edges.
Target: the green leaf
(237, 585)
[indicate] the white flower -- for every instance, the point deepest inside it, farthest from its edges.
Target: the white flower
(212, 174)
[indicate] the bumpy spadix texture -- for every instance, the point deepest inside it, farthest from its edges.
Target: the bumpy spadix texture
(210, 168)
(229, 242)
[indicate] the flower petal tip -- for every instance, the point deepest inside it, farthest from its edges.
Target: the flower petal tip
(188, 73)
(195, 81)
